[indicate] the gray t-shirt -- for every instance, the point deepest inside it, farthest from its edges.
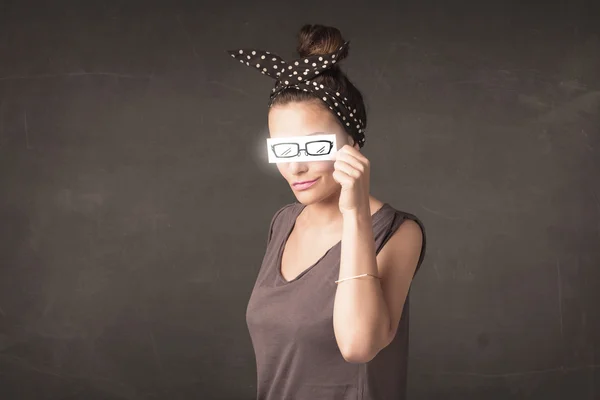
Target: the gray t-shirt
(291, 325)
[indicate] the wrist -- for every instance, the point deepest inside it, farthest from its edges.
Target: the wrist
(357, 215)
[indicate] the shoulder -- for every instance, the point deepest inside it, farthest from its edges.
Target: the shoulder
(409, 226)
(409, 235)
(405, 241)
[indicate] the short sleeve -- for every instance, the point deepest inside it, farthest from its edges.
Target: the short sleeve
(394, 224)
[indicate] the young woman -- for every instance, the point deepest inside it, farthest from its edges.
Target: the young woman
(328, 315)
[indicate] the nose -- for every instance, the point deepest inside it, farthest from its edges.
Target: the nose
(297, 167)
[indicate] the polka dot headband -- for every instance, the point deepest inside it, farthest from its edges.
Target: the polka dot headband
(298, 74)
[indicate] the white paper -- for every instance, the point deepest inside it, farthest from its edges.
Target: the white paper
(301, 141)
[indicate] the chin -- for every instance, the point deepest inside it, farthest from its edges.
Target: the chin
(308, 197)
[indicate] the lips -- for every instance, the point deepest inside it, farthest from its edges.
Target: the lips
(304, 182)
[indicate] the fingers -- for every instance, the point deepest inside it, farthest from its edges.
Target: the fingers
(352, 170)
(350, 156)
(343, 179)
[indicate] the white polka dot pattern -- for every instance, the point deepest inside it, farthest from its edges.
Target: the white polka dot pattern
(298, 74)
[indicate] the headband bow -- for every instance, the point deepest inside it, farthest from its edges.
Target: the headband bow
(298, 74)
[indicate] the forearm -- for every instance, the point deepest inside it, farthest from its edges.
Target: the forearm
(360, 316)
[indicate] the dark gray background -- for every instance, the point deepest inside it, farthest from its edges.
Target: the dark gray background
(136, 196)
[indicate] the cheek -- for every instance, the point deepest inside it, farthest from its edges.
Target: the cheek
(323, 166)
(282, 169)
(285, 171)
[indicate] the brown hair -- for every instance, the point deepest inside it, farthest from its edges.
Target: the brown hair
(320, 40)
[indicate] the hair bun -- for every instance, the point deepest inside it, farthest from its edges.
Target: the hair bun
(319, 40)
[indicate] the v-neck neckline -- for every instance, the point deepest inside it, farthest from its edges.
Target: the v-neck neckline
(282, 245)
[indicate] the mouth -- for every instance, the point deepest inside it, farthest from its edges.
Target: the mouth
(304, 184)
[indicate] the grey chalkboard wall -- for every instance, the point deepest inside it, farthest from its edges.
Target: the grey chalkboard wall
(135, 196)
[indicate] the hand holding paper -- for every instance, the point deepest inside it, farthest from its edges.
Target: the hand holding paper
(352, 171)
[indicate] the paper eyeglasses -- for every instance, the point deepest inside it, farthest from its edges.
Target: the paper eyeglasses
(301, 148)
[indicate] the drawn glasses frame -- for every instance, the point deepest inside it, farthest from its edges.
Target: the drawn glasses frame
(304, 149)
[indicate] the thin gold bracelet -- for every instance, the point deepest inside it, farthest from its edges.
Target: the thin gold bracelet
(357, 276)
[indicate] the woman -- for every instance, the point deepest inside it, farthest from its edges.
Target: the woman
(328, 315)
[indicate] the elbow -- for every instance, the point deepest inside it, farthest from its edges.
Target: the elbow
(359, 352)
(357, 358)
(362, 349)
